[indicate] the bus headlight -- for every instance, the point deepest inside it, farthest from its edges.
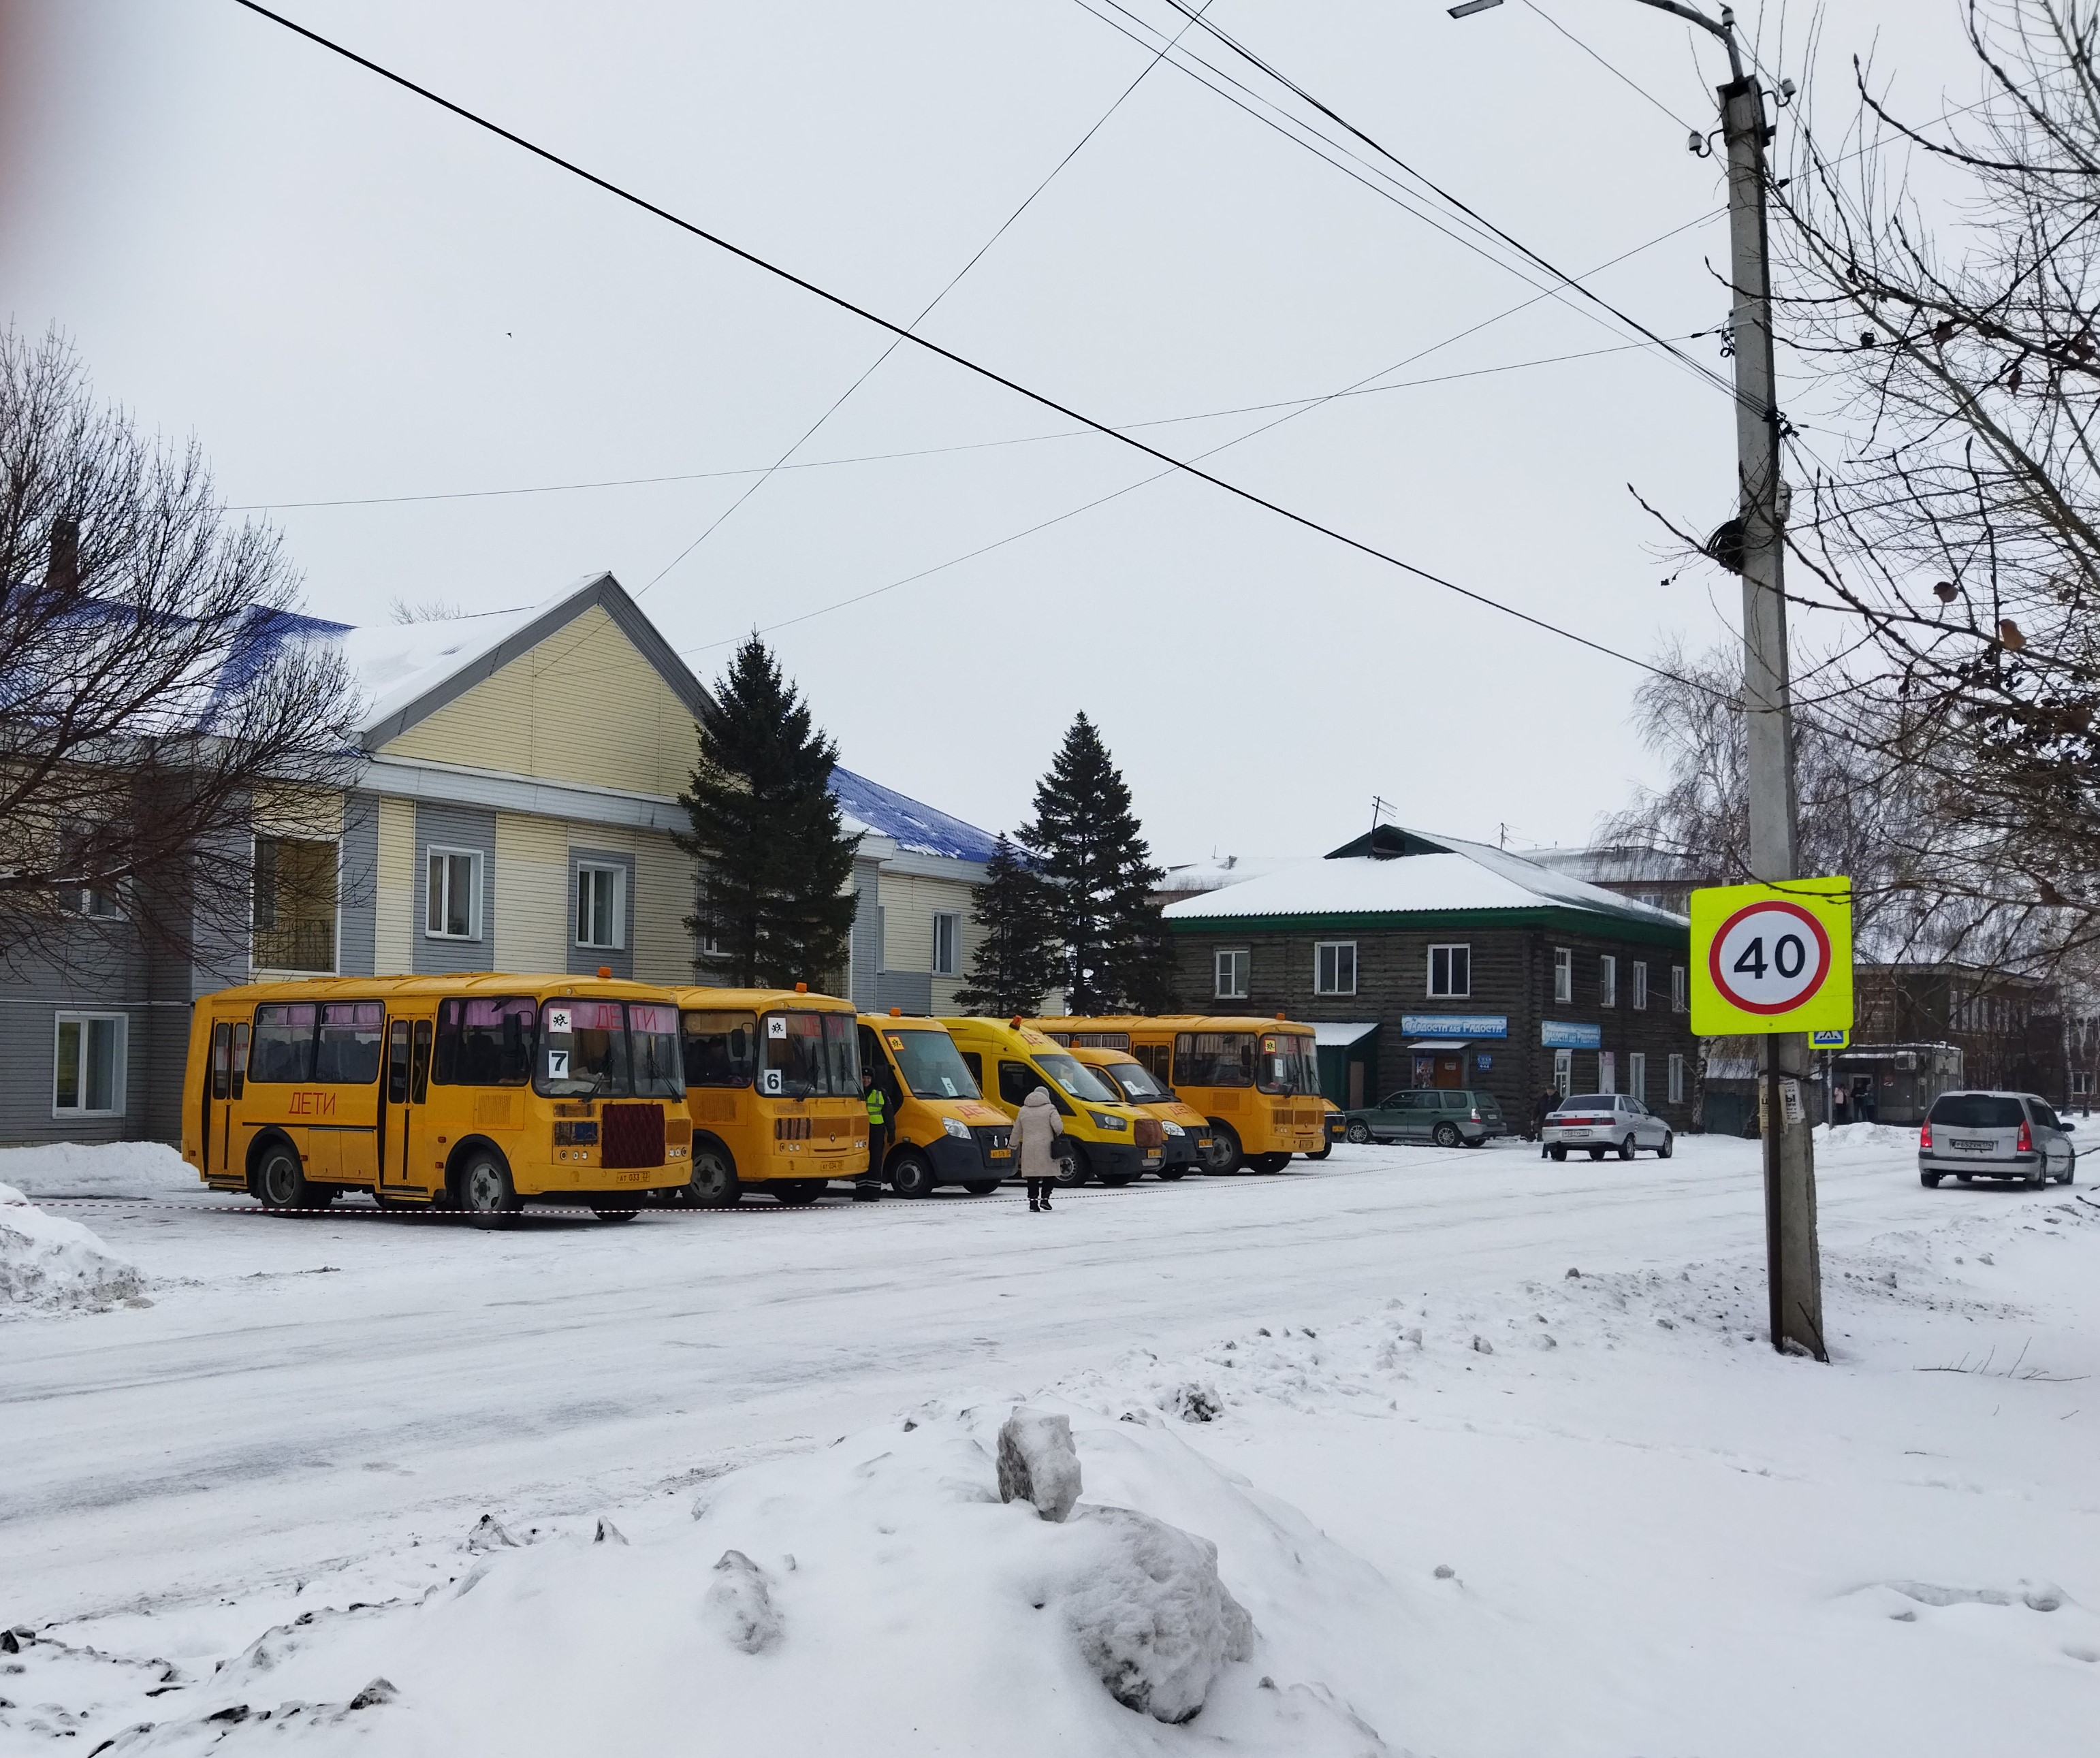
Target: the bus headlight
(957, 1128)
(1172, 1128)
(1104, 1120)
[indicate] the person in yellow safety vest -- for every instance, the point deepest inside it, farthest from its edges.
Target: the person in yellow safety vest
(867, 1187)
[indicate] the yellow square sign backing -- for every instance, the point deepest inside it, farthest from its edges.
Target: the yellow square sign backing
(1772, 958)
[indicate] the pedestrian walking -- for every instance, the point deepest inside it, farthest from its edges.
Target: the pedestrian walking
(1035, 1133)
(867, 1187)
(1541, 1108)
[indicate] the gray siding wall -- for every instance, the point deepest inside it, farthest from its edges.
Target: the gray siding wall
(583, 961)
(867, 937)
(911, 990)
(444, 825)
(358, 886)
(103, 970)
(1512, 975)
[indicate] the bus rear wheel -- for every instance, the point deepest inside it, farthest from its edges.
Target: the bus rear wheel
(795, 1193)
(1117, 1180)
(713, 1184)
(1269, 1162)
(981, 1187)
(486, 1195)
(1225, 1154)
(280, 1181)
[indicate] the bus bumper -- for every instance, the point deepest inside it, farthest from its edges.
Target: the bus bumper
(1116, 1158)
(956, 1161)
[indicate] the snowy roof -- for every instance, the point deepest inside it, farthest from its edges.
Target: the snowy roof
(1619, 863)
(913, 826)
(395, 664)
(1341, 1037)
(1410, 873)
(1214, 871)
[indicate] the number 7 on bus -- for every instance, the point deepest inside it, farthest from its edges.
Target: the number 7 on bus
(1772, 958)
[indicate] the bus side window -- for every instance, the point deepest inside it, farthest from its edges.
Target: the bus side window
(222, 1039)
(975, 1063)
(419, 1083)
(397, 1063)
(238, 1081)
(1016, 1081)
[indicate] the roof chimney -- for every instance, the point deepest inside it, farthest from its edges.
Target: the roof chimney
(62, 572)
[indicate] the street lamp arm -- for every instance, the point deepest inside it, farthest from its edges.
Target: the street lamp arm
(1725, 29)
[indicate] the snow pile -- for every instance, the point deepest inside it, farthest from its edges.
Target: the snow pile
(1862, 1138)
(147, 1169)
(875, 1598)
(49, 1263)
(1038, 1463)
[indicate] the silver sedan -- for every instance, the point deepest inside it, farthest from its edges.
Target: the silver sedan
(1597, 1123)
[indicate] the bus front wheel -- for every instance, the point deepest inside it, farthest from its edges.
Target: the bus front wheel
(795, 1193)
(713, 1184)
(910, 1175)
(486, 1195)
(1225, 1154)
(1071, 1163)
(280, 1181)
(1269, 1162)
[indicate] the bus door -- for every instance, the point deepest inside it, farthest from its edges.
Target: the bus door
(407, 1155)
(224, 1081)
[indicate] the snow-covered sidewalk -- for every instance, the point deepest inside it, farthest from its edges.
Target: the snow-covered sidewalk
(1474, 1503)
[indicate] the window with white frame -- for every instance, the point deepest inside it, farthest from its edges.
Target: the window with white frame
(1334, 967)
(101, 903)
(1233, 969)
(1637, 1076)
(1640, 987)
(947, 943)
(1676, 1080)
(1451, 971)
(1608, 983)
(600, 906)
(1678, 998)
(1564, 973)
(87, 1067)
(451, 908)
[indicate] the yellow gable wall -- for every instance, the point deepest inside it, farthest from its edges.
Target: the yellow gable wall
(582, 706)
(532, 877)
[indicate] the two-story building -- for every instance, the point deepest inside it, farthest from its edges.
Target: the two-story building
(1429, 961)
(514, 810)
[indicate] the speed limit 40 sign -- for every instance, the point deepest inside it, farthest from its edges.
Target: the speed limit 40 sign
(1772, 958)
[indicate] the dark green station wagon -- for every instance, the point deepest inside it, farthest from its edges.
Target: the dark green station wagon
(1449, 1117)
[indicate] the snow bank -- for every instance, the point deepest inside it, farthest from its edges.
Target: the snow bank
(147, 1169)
(49, 1263)
(875, 1598)
(1862, 1138)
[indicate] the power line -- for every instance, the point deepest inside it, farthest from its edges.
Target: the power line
(926, 311)
(1361, 390)
(1624, 79)
(985, 372)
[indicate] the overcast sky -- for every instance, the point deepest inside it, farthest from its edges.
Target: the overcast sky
(347, 295)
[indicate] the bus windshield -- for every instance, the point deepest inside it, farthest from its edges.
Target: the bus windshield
(1137, 1083)
(1288, 1065)
(810, 1055)
(931, 1066)
(1077, 1081)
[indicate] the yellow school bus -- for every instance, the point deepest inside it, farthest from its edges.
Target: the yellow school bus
(1256, 1081)
(1104, 1138)
(478, 1092)
(773, 1087)
(942, 1130)
(1188, 1130)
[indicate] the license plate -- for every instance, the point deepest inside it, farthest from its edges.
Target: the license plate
(1151, 1160)
(630, 1177)
(1972, 1148)
(1002, 1153)
(1581, 1133)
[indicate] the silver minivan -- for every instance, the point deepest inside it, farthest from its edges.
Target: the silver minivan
(1969, 1135)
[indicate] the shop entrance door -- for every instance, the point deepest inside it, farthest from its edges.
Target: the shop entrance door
(1440, 1068)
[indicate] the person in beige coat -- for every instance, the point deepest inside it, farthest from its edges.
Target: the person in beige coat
(1035, 1133)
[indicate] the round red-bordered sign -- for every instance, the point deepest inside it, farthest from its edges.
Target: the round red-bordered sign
(1765, 986)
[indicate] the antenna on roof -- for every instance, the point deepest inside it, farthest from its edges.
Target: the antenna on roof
(1378, 807)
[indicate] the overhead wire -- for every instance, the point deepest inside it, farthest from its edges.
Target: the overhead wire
(927, 310)
(1304, 520)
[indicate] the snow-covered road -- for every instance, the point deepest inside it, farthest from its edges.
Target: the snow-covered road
(322, 1386)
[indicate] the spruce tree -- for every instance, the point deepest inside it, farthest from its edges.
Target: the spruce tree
(1094, 854)
(774, 857)
(1016, 956)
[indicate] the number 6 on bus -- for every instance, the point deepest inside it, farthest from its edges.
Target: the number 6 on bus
(1772, 958)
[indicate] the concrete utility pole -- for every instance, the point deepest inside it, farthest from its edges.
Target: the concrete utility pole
(1793, 1264)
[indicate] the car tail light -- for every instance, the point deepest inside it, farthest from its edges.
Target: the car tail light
(1475, 1116)
(1925, 1138)
(2025, 1145)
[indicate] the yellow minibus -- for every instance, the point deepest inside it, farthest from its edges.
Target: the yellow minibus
(941, 1131)
(1188, 1130)
(1104, 1138)
(477, 1092)
(1256, 1081)
(773, 1087)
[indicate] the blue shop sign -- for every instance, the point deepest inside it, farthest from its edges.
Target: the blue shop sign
(1455, 1024)
(1564, 1034)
